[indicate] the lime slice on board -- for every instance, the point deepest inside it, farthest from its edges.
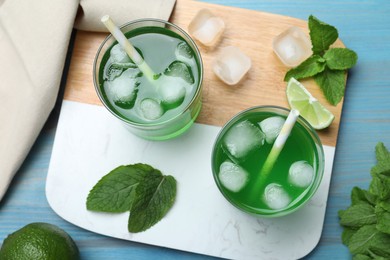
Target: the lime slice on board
(309, 108)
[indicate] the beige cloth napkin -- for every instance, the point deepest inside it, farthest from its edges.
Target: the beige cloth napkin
(34, 37)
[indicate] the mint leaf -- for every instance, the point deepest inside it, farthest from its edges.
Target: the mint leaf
(310, 67)
(115, 191)
(361, 257)
(369, 238)
(322, 35)
(380, 248)
(385, 205)
(332, 84)
(359, 196)
(340, 58)
(360, 242)
(341, 213)
(347, 234)
(155, 196)
(370, 256)
(139, 188)
(383, 216)
(383, 160)
(380, 186)
(358, 215)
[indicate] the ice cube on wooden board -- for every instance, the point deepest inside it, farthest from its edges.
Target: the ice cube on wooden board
(206, 27)
(292, 46)
(231, 65)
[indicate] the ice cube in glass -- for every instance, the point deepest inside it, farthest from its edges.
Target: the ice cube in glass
(243, 139)
(292, 46)
(151, 109)
(232, 176)
(172, 91)
(206, 27)
(124, 88)
(276, 197)
(231, 65)
(118, 54)
(184, 53)
(271, 127)
(301, 174)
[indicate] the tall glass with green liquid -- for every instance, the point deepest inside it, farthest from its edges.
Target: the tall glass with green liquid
(166, 105)
(241, 150)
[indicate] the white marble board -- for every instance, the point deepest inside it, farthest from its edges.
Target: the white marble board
(90, 142)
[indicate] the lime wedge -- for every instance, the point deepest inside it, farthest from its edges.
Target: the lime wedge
(309, 108)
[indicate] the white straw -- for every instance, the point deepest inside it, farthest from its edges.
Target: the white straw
(279, 144)
(128, 47)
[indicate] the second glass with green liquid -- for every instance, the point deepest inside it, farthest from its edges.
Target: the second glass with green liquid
(241, 150)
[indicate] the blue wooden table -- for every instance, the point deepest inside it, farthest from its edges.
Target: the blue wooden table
(364, 26)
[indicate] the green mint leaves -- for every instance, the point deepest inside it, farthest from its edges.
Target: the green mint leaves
(327, 65)
(138, 188)
(310, 67)
(322, 35)
(114, 192)
(340, 58)
(332, 84)
(367, 221)
(155, 196)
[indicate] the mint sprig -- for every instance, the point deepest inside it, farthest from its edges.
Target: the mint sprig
(138, 188)
(366, 222)
(327, 65)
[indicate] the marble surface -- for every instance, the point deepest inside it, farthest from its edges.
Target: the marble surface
(90, 142)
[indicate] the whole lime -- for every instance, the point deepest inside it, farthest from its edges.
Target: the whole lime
(39, 241)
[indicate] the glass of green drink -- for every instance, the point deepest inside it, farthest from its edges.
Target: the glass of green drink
(159, 107)
(241, 151)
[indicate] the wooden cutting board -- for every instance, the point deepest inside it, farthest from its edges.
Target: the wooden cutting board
(251, 31)
(90, 142)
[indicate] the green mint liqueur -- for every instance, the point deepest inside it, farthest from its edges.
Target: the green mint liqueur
(131, 95)
(241, 150)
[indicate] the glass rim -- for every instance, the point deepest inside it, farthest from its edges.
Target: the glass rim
(319, 173)
(186, 37)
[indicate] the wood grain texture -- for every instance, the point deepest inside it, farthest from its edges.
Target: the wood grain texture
(251, 31)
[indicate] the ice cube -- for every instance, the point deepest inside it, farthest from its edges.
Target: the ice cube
(292, 46)
(114, 70)
(151, 109)
(206, 27)
(172, 91)
(242, 139)
(180, 69)
(183, 52)
(232, 176)
(124, 88)
(231, 64)
(118, 54)
(174, 82)
(276, 197)
(271, 127)
(301, 174)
